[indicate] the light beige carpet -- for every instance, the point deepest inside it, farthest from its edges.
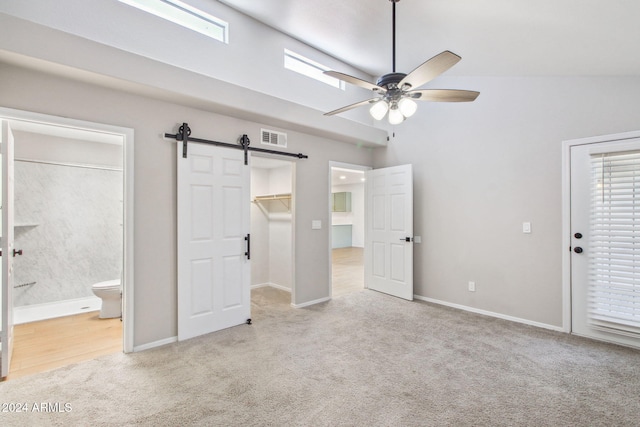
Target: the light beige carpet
(363, 359)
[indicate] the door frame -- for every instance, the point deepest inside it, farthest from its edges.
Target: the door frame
(566, 214)
(334, 164)
(127, 135)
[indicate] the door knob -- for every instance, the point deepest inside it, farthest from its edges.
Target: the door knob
(578, 235)
(18, 252)
(577, 250)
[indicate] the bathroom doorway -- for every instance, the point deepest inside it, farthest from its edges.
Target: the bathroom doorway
(347, 228)
(74, 218)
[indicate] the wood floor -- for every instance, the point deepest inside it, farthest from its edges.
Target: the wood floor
(48, 344)
(348, 270)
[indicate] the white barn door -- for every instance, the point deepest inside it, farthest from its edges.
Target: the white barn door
(213, 226)
(388, 265)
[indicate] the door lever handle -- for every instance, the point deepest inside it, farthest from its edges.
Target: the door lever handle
(406, 239)
(18, 252)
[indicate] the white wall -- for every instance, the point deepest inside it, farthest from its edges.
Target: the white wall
(155, 177)
(356, 216)
(259, 228)
(280, 229)
(483, 168)
(48, 148)
(253, 58)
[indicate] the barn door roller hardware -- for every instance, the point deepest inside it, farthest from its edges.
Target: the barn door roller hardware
(184, 135)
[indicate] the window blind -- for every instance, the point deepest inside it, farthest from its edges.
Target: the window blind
(614, 243)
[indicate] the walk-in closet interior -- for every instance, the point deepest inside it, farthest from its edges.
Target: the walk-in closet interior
(271, 223)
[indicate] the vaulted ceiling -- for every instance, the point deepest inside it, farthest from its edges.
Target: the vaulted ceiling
(494, 37)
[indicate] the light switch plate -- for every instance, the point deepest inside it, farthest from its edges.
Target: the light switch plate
(316, 224)
(526, 227)
(417, 239)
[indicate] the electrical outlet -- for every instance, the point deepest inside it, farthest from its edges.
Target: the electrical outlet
(472, 286)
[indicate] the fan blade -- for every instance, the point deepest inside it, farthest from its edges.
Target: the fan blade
(430, 69)
(352, 106)
(354, 80)
(443, 95)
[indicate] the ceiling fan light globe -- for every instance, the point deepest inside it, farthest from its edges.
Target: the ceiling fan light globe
(379, 109)
(407, 107)
(395, 116)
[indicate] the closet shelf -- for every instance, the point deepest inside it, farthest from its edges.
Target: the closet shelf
(270, 197)
(286, 196)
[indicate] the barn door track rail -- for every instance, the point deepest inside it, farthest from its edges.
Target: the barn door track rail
(184, 135)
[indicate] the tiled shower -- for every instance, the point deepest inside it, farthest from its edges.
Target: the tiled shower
(68, 222)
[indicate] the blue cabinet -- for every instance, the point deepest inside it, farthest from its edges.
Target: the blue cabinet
(341, 236)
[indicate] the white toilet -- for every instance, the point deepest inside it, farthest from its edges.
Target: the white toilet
(110, 292)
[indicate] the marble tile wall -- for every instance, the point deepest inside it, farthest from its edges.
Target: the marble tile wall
(69, 226)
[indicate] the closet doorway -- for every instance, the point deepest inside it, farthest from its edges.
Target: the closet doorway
(272, 225)
(347, 228)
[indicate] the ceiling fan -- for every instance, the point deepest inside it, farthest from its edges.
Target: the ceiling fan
(395, 92)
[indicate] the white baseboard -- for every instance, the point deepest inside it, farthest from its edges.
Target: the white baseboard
(491, 313)
(50, 310)
(260, 285)
(273, 285)
(308, 303)
(155, 344)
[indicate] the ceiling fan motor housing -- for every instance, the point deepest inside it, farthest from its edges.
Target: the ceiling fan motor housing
(391, 80)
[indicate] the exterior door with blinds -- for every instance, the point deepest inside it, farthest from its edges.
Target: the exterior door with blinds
(605, 241)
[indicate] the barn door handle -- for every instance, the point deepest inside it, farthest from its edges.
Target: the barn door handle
(248, 252)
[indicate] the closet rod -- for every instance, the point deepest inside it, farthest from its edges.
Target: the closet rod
(273, 197)
(184, 133)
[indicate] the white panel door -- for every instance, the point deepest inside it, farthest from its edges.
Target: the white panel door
(6, 328)
(389, 231)
(213, 225)
(605, 241)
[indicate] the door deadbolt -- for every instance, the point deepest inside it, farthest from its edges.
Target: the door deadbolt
(578, 235)
(577, 250)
